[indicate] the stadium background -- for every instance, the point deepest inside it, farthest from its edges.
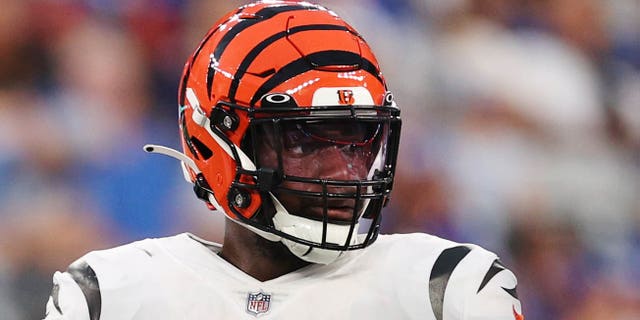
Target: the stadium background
(521, 134)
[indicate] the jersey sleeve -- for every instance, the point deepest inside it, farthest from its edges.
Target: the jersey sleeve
(75, 294)
(468, 282)
(496, 296)
(104, 284)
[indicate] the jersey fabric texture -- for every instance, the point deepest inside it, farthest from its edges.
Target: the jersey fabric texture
(410, 276)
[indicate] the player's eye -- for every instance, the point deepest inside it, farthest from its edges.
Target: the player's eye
(301, 137)
(295, 140)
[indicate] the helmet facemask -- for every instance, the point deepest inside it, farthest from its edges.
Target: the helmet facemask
(323, 174)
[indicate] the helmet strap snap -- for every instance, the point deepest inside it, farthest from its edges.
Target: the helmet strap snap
(224, 120)
(239, 198)
(201, 188)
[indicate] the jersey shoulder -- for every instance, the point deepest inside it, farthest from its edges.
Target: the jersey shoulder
(426, 248)
(118, 274)
(465, 281)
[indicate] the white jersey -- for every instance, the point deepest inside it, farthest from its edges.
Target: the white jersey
(412, 276)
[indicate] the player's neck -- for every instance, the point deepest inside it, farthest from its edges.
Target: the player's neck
(260, 258)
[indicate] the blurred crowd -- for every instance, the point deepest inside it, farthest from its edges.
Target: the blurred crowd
(521, 133)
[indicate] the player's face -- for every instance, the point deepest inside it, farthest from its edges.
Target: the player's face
(332, 150)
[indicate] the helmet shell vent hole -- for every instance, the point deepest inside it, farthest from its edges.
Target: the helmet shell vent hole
(204, 151)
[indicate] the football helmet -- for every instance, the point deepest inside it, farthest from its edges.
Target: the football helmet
(276, 91)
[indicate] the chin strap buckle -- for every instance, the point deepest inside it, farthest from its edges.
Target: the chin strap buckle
(202, 188)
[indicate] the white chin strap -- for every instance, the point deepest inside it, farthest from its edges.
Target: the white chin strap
(310, 230)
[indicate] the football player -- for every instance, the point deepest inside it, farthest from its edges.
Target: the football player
(288, 129)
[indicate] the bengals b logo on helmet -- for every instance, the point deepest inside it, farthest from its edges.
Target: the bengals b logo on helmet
(345, 97)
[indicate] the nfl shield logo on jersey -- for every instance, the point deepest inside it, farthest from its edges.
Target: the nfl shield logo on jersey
(258, 303)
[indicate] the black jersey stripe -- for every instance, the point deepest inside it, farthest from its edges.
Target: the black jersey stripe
(495, 268)
(86, 278)
(253, 54)
(512, 292)
(440, 274)
(311, 62)
(261, 15)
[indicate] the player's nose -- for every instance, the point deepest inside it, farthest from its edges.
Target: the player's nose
(339, 164)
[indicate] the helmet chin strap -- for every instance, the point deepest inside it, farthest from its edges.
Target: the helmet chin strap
(310, 230)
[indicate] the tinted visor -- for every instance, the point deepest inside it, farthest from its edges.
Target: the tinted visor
(338, 132)
(317, 148)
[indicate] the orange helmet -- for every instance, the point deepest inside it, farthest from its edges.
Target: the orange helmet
(287, 71)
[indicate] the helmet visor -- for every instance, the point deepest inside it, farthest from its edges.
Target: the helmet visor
(340, 149)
